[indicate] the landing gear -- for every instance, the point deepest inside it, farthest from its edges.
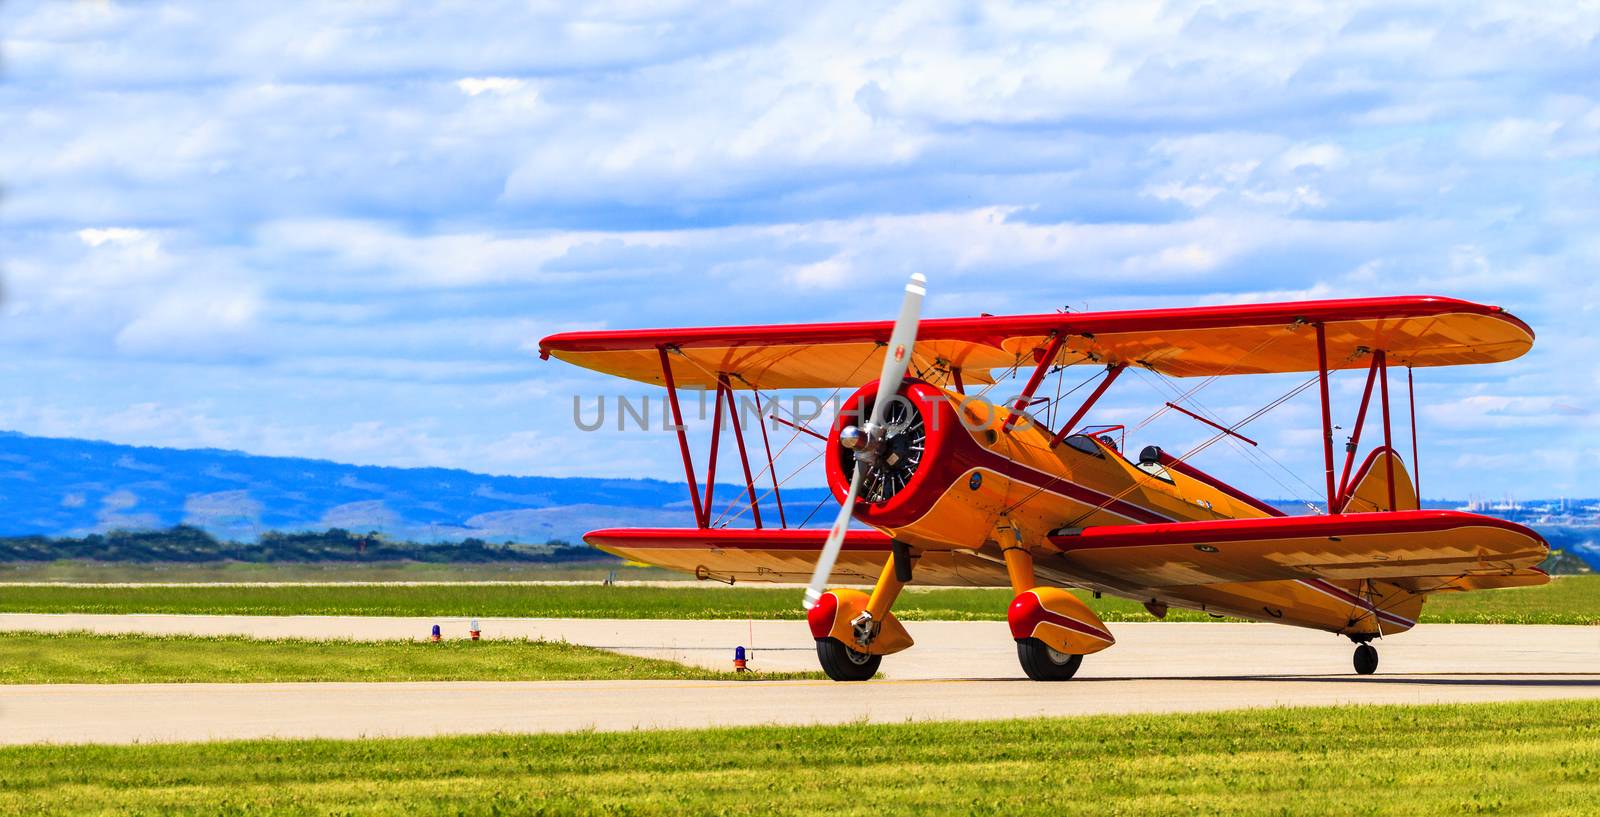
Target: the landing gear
(1042, 663)
(844, 664)
(1366, 659)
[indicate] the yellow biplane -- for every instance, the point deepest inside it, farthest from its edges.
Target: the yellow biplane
(961, 491)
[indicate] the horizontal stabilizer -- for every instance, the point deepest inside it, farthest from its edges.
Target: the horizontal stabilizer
(1523, 577)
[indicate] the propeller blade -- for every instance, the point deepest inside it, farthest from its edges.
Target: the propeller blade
(895, 360)
(898, 354)
(830, 548)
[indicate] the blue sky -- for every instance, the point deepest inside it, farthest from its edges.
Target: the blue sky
(339, 230)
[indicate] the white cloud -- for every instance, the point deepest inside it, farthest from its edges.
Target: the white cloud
(473, 86)
(1514, 138)
(203, 324)
(1186, 258)
(829, 274)
(1191, 195)
(1321, 156)
(115, 235)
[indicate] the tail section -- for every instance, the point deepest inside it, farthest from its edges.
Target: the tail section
(1369, 490)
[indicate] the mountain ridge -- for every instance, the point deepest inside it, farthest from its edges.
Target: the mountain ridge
(56, 486)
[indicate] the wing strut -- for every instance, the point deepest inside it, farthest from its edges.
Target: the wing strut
(1354, 442)
(702, 507)
(772, 466)
(1112, 372)
(738, 439)
(711, 466)
(1327, 411)
(1416, 461)
(1025, 399)
(683, 436)
(1388, 438)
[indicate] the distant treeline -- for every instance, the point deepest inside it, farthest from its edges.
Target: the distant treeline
(190, 544)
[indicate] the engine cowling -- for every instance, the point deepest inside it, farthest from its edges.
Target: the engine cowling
(967, 473)
(926, 448)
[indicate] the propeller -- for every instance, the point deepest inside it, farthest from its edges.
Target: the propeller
(865, 441)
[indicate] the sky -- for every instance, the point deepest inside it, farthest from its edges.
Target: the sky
(339, 230)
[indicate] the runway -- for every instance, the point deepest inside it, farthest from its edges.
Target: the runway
(959, 670)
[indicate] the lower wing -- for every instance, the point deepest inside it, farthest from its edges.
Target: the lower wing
(785, 555)
(1404, 545)
(1422, 551)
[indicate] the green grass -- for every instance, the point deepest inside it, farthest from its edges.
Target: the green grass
(1567, 600)
(1529, 758)
(564, 601)
(81, 658)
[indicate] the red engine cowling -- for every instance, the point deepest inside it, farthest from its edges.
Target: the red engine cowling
(926, 452)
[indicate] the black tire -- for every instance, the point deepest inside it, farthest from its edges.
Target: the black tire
(844, 664)
(1044, 664)
(1366, 659)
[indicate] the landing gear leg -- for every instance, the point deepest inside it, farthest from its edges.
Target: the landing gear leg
(846, 657)
(865, 626)
(1366, 659)
(1039, 660)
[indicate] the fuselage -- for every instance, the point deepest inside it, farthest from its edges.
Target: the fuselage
(981, 483)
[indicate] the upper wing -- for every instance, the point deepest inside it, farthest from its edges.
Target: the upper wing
(1399, 545)
(1210, 340)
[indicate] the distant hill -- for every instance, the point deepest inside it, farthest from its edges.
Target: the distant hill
(68, 487)
(62, 487)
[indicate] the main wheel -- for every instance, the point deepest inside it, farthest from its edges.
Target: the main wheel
(1366, 659)
(844, 664)
(1044, 664)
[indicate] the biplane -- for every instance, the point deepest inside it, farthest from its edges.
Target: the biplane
(951, 488)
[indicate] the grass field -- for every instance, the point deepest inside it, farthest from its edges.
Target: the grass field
(80, 658)
(1538, 758)
(1567, 600)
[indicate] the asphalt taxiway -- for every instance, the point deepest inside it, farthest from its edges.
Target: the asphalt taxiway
(958, 670)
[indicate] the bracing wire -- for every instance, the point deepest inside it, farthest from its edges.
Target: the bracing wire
(1230, 368)
(1160, 410)
(1191, 453)
(1251, 454)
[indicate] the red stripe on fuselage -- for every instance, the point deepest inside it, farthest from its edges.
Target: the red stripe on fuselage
(1035, 478)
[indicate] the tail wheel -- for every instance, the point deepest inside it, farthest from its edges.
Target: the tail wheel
(1366, 659)
(844, 664)
(1044, 664)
